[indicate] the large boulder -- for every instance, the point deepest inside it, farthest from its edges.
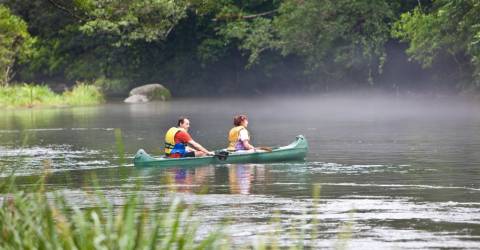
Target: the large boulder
(154, 91)
(148, 92)
(136, 99)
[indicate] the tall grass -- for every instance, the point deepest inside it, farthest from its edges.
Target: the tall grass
(28, 95)
(31, 221)
(83, 94)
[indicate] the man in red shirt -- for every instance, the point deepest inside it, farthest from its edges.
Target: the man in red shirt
(179, 143)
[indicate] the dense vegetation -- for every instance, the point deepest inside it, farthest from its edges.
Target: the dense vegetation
(232, 46)
(28, 96)
(30, 220)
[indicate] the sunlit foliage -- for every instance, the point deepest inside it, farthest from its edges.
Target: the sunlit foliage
(14, 41)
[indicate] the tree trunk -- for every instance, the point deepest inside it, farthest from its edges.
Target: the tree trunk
(8, 76)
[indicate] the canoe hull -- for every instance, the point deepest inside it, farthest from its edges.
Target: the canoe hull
(296, 151)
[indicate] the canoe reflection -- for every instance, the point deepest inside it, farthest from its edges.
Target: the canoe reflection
(190, 180)
(240, 177)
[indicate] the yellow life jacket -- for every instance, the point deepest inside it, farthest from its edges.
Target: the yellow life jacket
(233, 137)
(170, 141)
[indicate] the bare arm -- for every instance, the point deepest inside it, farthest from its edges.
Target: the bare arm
(247, 145)
(199, 147)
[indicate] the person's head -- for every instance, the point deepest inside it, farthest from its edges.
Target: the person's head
(184, 123)
(240, 120)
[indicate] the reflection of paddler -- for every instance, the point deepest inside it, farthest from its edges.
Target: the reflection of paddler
(240, 178)
(182, 180)
(187, 180)
(180, 175)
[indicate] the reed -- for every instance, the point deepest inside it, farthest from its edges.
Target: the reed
(82, 95)
(31, 221)
(29, 95)
(34, 219)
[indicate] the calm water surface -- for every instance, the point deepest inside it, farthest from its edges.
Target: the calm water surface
(394, 173)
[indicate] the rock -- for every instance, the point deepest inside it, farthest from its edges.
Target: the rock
(136, 99)
(152, 91)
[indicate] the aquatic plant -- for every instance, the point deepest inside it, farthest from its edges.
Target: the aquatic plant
(29, 95)
(83, 94)
(29, 220)
(35, 218)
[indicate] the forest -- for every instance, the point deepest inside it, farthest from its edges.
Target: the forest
(230, 47)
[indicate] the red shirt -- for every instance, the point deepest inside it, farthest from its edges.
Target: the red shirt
(182, 137)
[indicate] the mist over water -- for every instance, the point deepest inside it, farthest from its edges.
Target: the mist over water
(402, 171)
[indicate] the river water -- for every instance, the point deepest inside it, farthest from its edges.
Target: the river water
(392, 172)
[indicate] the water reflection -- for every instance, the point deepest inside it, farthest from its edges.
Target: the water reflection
(189, 180)
(233, 179)
(45, 118)
(240, 177)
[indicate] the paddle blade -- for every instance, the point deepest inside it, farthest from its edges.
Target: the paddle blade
(221, 155)
(268, 149)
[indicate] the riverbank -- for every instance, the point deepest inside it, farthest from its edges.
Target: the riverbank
(30, 96)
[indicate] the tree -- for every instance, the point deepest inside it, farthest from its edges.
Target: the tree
(134, 20)
(447, 29)
(335, 38)
(14, 41)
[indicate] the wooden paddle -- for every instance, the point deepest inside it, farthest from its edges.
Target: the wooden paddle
(268, 149)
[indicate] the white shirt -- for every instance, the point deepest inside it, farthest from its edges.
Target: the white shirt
(243, 135)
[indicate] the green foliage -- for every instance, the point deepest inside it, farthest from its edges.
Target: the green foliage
(38, 219)
(26, 95)
(215, 45)
(335, 36)
(83, 94)
(161, 94)
(14, 41)
(111, 86)
(254, 36)
(211, 50)
(332, 36)
(449, 27)
(129, 21)
(31, 221)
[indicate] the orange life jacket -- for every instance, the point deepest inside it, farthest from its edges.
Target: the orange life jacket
(233, 136)
(170, 146)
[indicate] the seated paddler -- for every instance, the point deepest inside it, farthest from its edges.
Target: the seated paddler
(179, 143)
(238, 137)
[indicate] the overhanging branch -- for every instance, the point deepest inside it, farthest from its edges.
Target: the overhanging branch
(238, 16)
(62, 8)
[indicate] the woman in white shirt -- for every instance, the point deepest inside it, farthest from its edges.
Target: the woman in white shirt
(238, 137)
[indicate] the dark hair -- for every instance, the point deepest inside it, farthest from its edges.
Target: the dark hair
(181, 120)
(238, 119)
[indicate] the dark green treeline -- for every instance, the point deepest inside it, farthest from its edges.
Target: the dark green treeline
(252, 46)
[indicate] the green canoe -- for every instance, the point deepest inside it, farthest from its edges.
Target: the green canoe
(296, 151)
